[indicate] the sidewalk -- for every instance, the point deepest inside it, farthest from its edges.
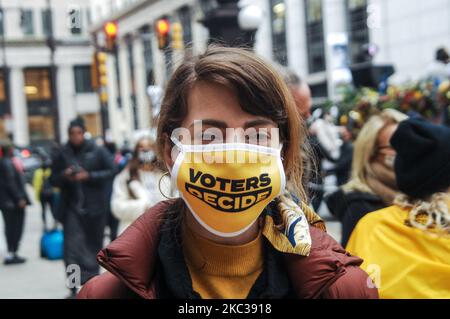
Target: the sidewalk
(37, 278)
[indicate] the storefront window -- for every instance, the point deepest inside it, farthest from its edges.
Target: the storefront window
(93, 123)
(37, 84)
(39, 102)
(41, 127)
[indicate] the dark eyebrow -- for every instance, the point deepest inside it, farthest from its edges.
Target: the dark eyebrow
(258, 122)
(210, 122)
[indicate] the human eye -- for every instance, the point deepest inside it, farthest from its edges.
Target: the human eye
(258, 137)
(208, 136)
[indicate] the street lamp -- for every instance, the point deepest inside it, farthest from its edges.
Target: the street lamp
(51, 43)
(5, 71)
(230, 25)
(250, 18)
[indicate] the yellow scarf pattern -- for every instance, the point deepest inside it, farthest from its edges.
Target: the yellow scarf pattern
(291, 234)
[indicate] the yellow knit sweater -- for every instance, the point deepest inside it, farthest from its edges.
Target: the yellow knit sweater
(222, 271)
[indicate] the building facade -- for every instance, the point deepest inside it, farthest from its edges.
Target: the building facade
(138, 66)
(318, 39)
(45, 79)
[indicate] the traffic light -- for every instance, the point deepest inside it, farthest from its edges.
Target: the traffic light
(162, 32)
(177, 36)
(99, 76)
(110, 29)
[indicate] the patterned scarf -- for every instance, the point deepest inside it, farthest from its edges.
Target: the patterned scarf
(381, 180)
(291, 233)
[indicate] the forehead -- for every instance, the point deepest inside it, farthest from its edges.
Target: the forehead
(75, 130)
(218, 102)
(145, 143)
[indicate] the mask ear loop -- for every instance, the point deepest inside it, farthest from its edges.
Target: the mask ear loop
(176, 142)
(280, 148)
(159, 186)
(180, 146)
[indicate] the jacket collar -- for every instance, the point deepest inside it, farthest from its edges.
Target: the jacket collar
(133, 256)
(176, 282)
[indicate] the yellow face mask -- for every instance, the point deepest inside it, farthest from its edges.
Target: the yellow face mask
(227, 186)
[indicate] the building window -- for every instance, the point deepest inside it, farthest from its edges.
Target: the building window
(2, 22)
(133, 100)
(185, 18)
(146, 36)
(357, 29)
(47, 22)
(278, 18)
(314, 36)
(75, 20)
(26, 21)
(319, 90)
(37, 84)
(83, 83)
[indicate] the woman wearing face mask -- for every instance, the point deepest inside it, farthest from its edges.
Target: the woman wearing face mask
(235, 232)
(372, 184)
(136, 189)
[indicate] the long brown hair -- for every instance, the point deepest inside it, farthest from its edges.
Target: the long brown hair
(260, 90)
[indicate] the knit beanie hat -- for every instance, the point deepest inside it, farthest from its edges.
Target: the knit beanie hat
(422, 164)
(78, 122)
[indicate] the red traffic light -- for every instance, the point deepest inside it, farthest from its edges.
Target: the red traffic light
(163, 27)
(111, 29)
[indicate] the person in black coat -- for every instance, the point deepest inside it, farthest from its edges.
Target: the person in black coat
(13, 200)
(350, 207)
(81, 169)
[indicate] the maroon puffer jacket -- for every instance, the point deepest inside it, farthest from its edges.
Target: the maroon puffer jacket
(328, 272)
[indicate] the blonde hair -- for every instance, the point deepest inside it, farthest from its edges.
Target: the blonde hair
(429, 215)
(365, 148)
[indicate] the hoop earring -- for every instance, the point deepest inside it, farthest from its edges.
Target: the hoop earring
(159, 186)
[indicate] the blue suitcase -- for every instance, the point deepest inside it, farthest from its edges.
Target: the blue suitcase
(52, 245)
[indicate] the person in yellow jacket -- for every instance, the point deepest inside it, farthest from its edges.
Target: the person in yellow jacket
(406, 247)
(44, 192)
